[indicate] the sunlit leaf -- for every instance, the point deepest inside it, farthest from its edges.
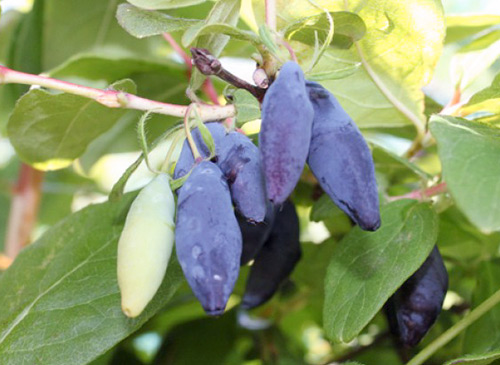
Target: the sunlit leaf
(469, 155)
(486, 102)
(460, 26)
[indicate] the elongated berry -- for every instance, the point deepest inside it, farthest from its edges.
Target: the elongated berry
(255, 234)
(341, 160)
(186, 159)
(208, 238)
(145, 245)
(415, 306)
(276, 260)
(239, 160)
(285, 133)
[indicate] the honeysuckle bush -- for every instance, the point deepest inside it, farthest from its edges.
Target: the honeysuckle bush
(106, 63)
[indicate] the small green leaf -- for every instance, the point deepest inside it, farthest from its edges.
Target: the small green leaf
(368, 267)
(223, 12)
(61, 293)
(348, 28)
(206, 136)
(194, 32)
(267, 39)
(482, 42)
(247, 107)
(145, 23)
(164, 4)
(469, 156)
(49, 130)
(459, 27)
(476, 57)
(334, 74)
(485, 101)
(481, 359)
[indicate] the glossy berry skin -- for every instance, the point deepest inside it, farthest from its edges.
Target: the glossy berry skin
(239, 160)
(341, 160)
(207, 236)
(255, 234)
(285, 133)
(415, 306)
(276, 260)
(186, 159)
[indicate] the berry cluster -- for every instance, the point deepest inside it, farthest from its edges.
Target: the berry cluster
(301, 121)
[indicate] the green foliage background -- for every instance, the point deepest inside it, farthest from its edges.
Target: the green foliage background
(60, 300)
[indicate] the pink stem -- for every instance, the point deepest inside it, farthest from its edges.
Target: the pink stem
(290, 49)
(422, 194)
(113, 98)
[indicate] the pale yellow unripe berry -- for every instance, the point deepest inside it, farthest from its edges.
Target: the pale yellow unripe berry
(145, 245)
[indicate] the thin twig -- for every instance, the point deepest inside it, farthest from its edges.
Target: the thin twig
(189, 136)
(422, 194)
(23, 209)
(289, 49)
(209, 65)
(113, 98)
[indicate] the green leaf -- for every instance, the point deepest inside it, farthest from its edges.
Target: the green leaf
(459, 27)
(487, 101)
(193, 33)
(164, 4)
(268, 39)
(335, 74)
(247, 107)
(225, 12)
(96, 31)
(469, 156)
(368, 267)
(348, 28)
(61, 293)
(475, 58)
(399, 52)
(482, 359)
(111, 68)
(389, 162)
(206, 136)
(483, 336)
(50, 131)
(145, 23)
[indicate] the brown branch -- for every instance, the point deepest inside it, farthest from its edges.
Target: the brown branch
(23, 209)
(209, 65)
